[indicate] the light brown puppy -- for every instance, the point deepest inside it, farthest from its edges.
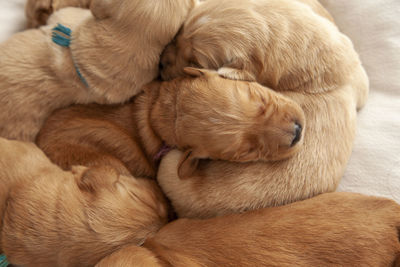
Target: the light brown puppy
(336, 229)
(50, 217)
(112, 54)
(286, 45)
(283, 44)
(206, 116)
(38, 11)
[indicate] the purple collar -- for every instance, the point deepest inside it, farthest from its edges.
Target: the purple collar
(162, 152)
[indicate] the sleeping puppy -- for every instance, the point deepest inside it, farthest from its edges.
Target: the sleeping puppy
(296, 50)
(50, 217)
(102, 56)
(285, 45)
(337, 229)
(207, 116)
(37, 12)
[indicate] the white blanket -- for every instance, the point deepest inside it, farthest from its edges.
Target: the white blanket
(11, 17)
(374, 27)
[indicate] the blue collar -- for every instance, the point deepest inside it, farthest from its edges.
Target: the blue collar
(62, 37)
(3, 261)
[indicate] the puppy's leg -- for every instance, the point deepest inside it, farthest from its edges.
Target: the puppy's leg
(68, 155)
(92, 141)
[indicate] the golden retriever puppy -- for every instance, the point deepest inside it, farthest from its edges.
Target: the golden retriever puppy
(282, 44)
(334, 229)
(288, 46)
(205, 115)
(80, 58)
(37, 12)
(50, 217)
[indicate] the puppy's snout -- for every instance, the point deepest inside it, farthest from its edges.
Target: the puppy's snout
(298, 128)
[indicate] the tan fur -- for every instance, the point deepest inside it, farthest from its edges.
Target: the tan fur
(205, 115)
(117, 51)
(50, 217)
(37, 12)
(282, 44)
(303, 56)
(337, 229)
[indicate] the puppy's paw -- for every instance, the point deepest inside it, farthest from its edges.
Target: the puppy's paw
(37, 12)
(236, 74)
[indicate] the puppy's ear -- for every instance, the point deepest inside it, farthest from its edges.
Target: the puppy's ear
(188, 165)
(195, 72)
(101, 9)
(91, 179)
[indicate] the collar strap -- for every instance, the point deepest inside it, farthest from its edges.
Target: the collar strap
(161, 153)
(61, 36)
(3, 261)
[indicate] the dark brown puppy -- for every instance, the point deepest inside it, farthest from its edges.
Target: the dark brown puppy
(207, 116)
(336, 229)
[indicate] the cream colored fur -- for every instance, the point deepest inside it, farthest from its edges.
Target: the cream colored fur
(116, 49)
(287, 46)
(50, 217)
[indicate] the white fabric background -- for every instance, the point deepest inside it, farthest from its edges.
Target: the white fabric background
(11, 17)
(374, 27)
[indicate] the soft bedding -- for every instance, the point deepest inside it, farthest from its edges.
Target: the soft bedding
(374, 27)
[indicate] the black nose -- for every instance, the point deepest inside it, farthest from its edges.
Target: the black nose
(297, 133)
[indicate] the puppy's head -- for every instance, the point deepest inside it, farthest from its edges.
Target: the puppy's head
(37, 12)
(120, 208)
(230, 120)
(161, 18)
(215, 33)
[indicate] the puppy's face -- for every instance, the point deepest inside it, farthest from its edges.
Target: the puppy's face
(202, 42)
(120, 208)
(237, 121)
(217, 34)
(176, 56)
(195, 50)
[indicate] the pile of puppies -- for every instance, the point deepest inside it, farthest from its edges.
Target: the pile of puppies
(260, 96)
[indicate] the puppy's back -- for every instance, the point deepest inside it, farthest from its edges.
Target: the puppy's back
(338, 229)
